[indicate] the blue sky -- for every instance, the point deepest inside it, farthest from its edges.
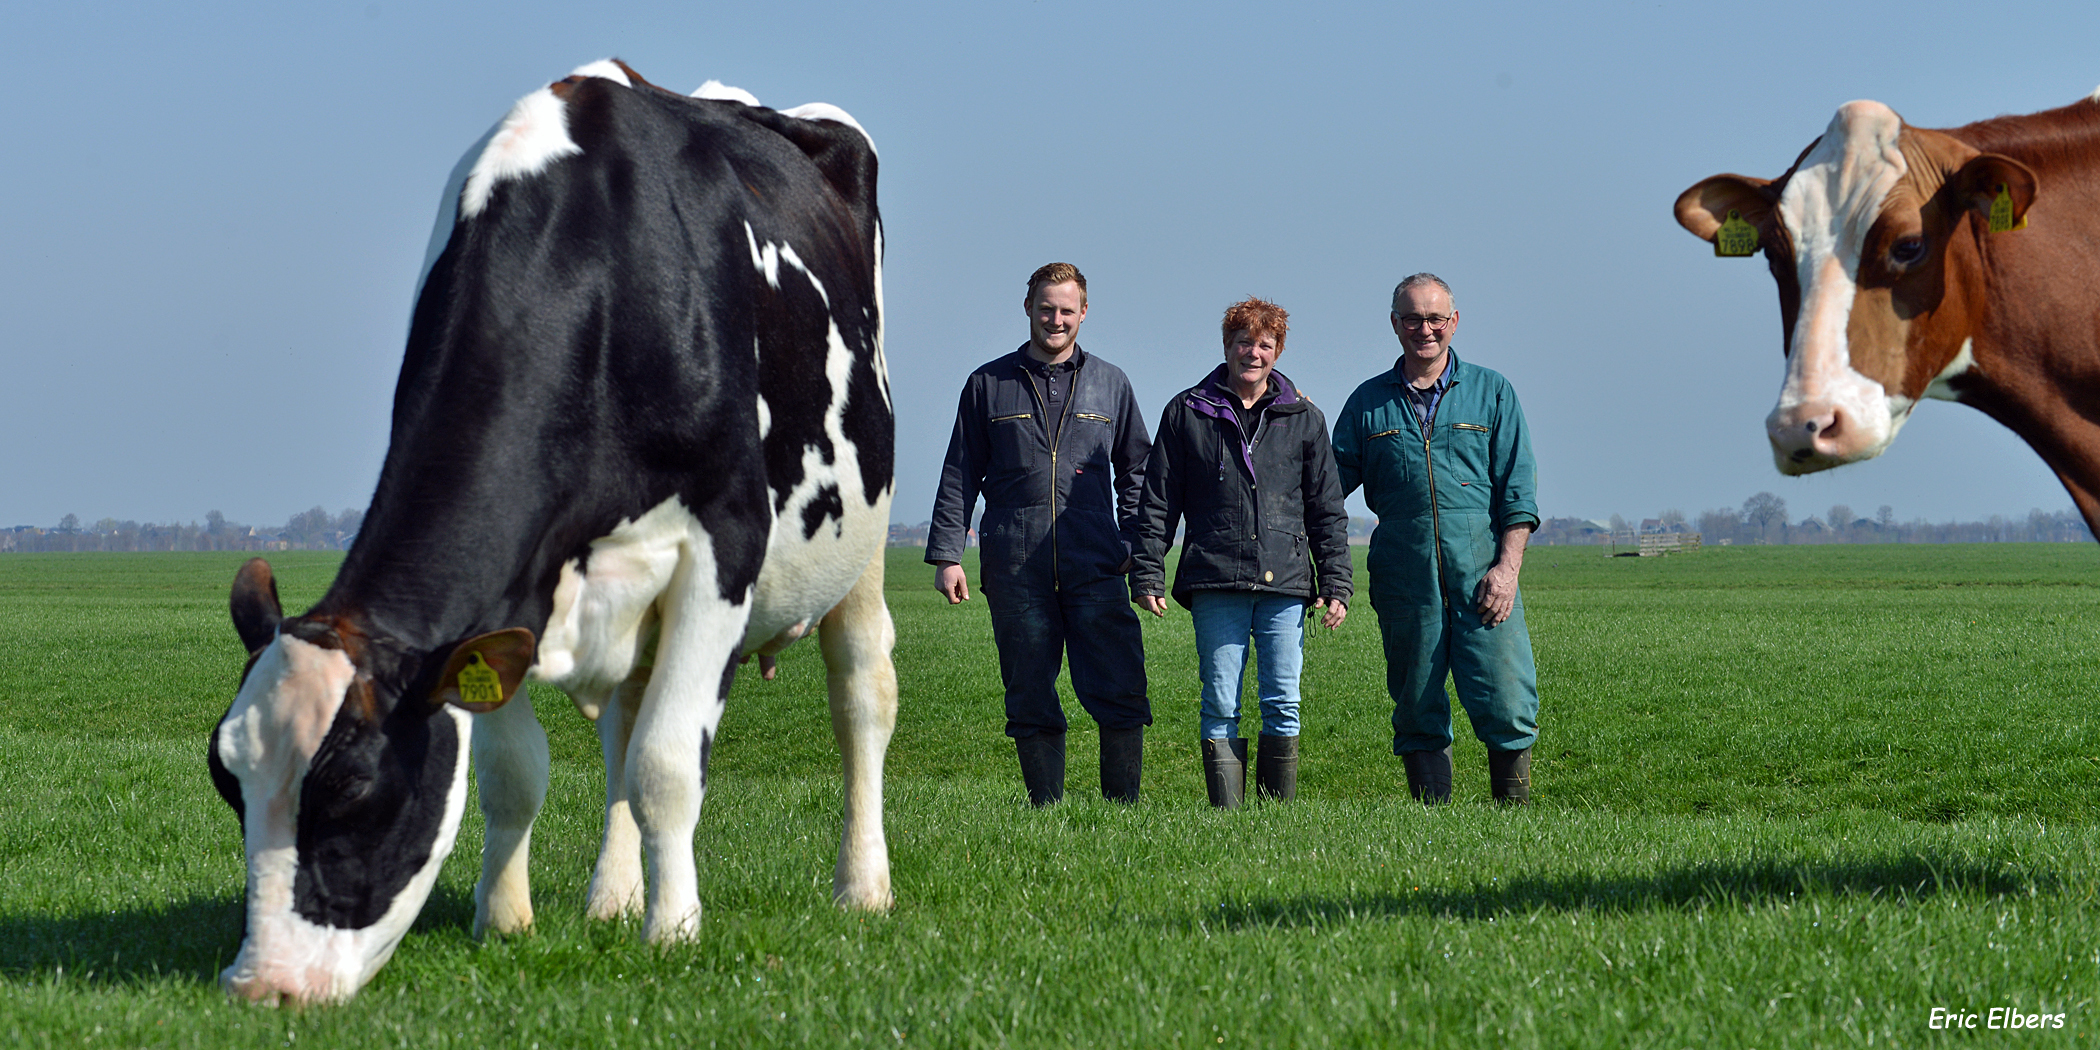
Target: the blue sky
(214, 214)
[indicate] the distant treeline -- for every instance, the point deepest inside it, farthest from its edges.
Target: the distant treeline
(1763, 519)
(315, 529)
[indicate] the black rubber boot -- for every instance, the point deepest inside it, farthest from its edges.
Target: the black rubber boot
(1122, 763)
(1429, 775)
(1225, 772)
(1043, 767)
(1276, 768)
(1509, 776)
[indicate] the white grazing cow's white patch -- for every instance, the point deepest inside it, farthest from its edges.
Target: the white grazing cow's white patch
(604, 610)
(827, 111)
(721, 92)
(765, 418)
(2095, 96)
(534, 135)
(285, 952)
(882, 364)
(765, 260)
(604, 68)
(1828, 206)
(278, 719)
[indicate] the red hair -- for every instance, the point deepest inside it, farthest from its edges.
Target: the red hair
(1256, 317)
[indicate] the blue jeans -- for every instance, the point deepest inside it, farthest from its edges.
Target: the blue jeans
(1224, 621)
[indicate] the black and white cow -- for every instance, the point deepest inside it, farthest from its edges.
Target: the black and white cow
(642, 430)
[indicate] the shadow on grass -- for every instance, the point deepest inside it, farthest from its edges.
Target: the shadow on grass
(188, 941)
(1914, 878)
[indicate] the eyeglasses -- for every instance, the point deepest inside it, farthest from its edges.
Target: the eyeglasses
(1417, 321)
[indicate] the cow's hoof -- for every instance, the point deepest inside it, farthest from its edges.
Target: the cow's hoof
(681, 930)
(866, 898)
(612, 899)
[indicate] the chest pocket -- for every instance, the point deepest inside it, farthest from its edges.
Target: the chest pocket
(1012, 437)
(1087, 438)
(1392, 454)
(1467, 446)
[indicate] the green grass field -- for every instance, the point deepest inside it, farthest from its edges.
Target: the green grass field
(1784, 797)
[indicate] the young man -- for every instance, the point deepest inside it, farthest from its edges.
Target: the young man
(1440, 448)
(1038, 433)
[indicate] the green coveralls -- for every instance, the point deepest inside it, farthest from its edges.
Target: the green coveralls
(1442, 504)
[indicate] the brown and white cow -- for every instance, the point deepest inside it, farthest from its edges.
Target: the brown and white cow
(1895, 283)
(642, 430)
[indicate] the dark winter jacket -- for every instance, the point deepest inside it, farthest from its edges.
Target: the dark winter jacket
(1264, 515)
(1052, 518)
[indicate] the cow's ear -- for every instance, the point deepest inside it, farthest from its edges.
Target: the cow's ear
(484, 671)
(254, 604)
(1703, 208)
(1986, 175)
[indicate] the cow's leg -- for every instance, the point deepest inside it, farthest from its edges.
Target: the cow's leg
(696, 660)
(616, 883)
(510, 771)
(857, 637)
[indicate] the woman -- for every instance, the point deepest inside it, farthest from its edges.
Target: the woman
(1245, 459)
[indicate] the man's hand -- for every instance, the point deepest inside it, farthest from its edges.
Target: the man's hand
(1497, 594)
(953, 583)
(1152, 603)
(1332, 612)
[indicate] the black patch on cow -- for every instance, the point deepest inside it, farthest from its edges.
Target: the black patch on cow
(707, 751)
(824, 504)
(370, 810)
(729, 675)
(223, 780)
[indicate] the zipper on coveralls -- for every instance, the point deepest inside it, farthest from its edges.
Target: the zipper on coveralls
(1054, 436)
(1436, 524)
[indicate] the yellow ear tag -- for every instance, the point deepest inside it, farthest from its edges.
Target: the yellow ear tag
(1735, 238)
(2002, 212)
(479, 683)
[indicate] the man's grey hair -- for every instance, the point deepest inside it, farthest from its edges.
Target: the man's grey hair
(1418, 279)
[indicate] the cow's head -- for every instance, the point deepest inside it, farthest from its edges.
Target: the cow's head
(345, 761)
(1872, 239)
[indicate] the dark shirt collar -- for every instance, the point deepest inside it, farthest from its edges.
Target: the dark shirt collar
(1073, 362)
(1443, 380)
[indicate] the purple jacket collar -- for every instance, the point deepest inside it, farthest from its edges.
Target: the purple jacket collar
(1216, 400)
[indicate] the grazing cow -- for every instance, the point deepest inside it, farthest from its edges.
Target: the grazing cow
(643, 429)
(1915, 263)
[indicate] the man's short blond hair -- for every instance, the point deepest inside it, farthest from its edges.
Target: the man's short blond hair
(1056, 273)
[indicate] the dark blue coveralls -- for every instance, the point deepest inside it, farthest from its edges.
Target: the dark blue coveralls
(1060, 481)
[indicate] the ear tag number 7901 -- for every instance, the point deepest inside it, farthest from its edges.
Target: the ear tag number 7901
(479, 683)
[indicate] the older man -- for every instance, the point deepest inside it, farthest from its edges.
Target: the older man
(1038, 433)
(1440, 448)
